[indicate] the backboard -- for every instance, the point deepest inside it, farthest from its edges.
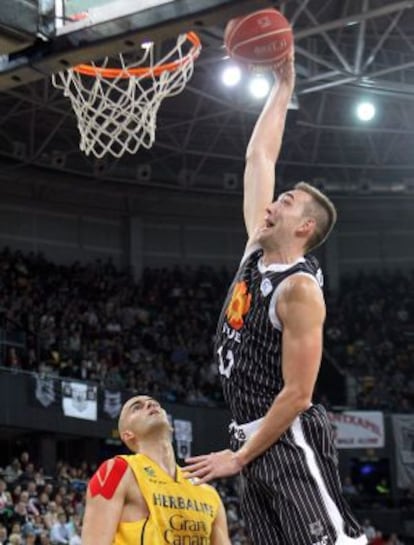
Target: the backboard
(72, 15)
(77, 31)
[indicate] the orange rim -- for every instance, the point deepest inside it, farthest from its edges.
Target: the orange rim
(113, 73)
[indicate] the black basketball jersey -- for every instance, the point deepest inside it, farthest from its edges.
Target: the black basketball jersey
(248, 337)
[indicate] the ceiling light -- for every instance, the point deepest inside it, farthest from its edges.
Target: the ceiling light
(259, 86)
(147, 44)
(231, 75)
(365, 111)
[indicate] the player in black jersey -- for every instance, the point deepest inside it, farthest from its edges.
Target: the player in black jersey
(269, 349)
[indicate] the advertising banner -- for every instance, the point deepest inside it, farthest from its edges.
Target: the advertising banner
(358, 429)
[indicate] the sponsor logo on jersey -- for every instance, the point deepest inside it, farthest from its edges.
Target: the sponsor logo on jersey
(231, 333)
(149, 471)
(239, 305)
(319, 277)
(183, 531)
(182, 503)
(266, 287)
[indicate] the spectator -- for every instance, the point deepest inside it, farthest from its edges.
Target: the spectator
(348, 487)
(24, 459)
(378, 539)
(29, 538)
(12, 471)
(44, 538)
(29, 503)
(393, 540)
(369, 530)
(75, 530)
(4, 497)
(60, 532)
(52, 515)
(20, 514)
(3, 534)
(15, 539)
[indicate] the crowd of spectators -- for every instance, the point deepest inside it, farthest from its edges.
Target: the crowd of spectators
(36, 509)
(370, 335)
(377, 537)
(39, 509)
(93, 322)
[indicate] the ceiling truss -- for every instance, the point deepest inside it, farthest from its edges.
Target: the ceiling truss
(344, 50)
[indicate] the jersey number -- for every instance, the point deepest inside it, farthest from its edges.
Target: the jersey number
(226, 362)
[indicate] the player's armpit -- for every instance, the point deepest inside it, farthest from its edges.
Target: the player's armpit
(107, 478)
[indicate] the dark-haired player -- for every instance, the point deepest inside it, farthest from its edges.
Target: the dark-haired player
(143, 498)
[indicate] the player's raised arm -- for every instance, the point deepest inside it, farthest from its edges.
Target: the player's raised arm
(264, 148)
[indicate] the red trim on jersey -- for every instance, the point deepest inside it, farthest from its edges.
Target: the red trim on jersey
(107, 478)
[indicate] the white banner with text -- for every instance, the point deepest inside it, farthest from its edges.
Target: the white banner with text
(358, 429)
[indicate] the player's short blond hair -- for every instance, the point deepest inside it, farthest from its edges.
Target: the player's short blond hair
(322, 210)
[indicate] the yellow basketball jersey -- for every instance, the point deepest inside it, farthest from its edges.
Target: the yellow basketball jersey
(180, 513)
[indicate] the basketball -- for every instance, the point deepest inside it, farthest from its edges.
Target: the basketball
(263, 38)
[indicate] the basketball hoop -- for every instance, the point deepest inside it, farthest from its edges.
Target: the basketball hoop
(117, 107)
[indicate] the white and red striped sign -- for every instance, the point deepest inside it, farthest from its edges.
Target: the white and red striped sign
(358, 429)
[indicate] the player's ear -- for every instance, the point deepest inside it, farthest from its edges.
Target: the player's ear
(127, 436)
(306, 227)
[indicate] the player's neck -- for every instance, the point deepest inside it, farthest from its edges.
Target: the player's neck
(279, 255)
(161, 452)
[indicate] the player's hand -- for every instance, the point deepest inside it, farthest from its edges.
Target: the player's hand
(207, 467)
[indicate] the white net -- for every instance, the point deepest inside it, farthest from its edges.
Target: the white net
(117, 108)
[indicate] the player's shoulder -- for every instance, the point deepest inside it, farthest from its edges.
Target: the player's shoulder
(210, 490)
(116, 461)
(108, 477)
(207, 488)
(301, 287)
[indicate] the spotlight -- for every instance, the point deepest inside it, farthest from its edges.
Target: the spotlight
(365, 111)
(259, 86)
(231, 75)
(147, 44)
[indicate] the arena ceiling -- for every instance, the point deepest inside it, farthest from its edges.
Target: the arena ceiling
(345, 50)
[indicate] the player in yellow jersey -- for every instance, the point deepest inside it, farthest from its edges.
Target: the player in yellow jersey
(144, 498)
